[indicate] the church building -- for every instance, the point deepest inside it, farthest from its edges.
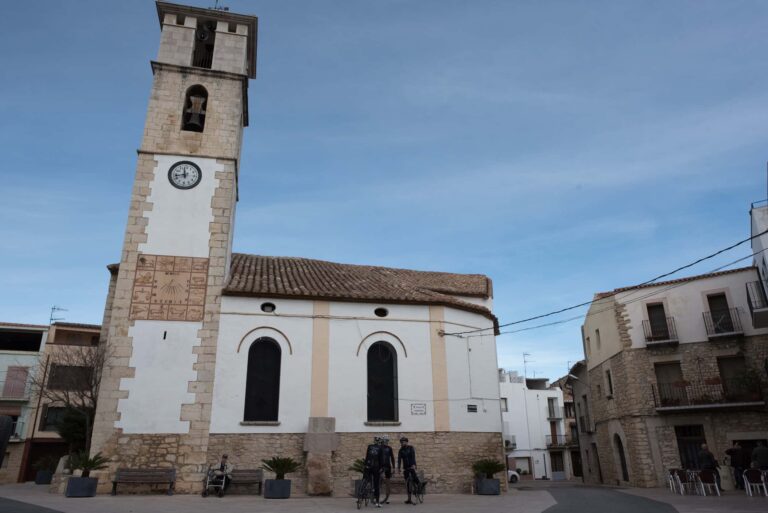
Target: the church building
(256, 356)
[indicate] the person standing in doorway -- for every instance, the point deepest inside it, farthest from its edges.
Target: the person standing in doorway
(760, 456)
(736, 456)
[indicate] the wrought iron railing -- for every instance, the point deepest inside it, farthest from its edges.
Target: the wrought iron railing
(708, 392)
(660, 331)
(756, 296)
(556, 440)
(722, 322)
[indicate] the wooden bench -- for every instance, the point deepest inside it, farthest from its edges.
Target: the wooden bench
(145, 476)
(248, 476)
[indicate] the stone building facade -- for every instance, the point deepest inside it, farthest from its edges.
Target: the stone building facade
(218, 352)
(670, 366)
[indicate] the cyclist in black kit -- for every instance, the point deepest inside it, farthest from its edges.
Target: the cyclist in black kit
(388, 458)
(407, 457)
(374, 461)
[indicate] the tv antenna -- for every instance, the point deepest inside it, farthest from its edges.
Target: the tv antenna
(525, 364)
(54, 310)
(218, 7)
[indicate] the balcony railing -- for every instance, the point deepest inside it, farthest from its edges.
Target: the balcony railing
(706, 394)
(721, 323)
(758, 304)
(660, 332)
(557, 441)
(554, 412)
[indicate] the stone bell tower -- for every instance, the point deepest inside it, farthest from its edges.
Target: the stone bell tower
(162, 315)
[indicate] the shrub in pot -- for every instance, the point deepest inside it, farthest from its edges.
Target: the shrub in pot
(359, 467)
(280, 487)
(45, 466)
(84, 486)
(484, 470)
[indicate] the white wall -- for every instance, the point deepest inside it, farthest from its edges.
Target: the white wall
(163, 359)
(527, 419)
(353, 328)
(179, 220)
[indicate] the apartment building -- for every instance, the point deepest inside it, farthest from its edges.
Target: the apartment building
(535, 437)
(670, 366)
(570, 426)
(20, 349)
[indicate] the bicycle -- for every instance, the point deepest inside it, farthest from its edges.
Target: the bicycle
(417, 489)
(365, 492)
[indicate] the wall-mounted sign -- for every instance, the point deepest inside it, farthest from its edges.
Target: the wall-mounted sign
(418, 408)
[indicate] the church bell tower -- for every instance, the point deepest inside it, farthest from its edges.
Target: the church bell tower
(162, 314)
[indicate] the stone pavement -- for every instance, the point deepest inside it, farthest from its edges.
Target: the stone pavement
(528, 497)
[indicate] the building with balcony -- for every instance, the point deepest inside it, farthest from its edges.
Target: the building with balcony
(20, 349)
(535, 438)
(571, 436)
(669, 366)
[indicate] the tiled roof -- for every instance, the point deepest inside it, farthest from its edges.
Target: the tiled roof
(601, 295)
(77, 325)
(254, 275)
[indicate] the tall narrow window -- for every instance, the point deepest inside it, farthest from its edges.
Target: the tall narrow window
(382, 383)
(721, 315)
(657, 319)
(262, 386)
(619, 447)
(195, 104)
(608, 383)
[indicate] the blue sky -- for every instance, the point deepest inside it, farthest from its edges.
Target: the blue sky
(561, 148)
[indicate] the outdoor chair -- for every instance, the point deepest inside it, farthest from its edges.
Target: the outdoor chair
(754, 479)
(708, 481)
(672, 480)
(685, 482)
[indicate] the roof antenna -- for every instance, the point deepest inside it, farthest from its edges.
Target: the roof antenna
(218, 7)
(54, 310)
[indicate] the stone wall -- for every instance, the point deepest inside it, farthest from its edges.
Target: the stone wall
(649, 437)
(444, 457)
(9, 472)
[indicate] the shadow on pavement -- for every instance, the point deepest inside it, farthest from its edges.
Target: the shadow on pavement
(9, 506)
(599, 500)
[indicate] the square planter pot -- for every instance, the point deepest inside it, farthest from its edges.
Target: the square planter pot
(277, 488)
(356, 484)
(43, 477)
(487, 486)
(81, 486)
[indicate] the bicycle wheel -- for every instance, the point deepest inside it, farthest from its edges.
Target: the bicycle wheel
(362, 494)
(420, 492)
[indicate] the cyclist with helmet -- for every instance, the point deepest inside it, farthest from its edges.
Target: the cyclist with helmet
(407, 458)
(388, 463)
(374, 462)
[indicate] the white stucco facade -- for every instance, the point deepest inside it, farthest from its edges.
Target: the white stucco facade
(528, 427)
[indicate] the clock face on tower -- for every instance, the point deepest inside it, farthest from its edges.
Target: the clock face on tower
(184, 175)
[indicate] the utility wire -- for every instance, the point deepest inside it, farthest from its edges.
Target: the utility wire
(655, 292)
(615, 292)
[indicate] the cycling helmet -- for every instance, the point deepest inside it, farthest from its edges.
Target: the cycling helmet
(385, 438)
(376, 439)
(403, 439)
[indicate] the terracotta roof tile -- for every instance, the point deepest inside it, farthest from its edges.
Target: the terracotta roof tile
(601, 295)
(255, 275)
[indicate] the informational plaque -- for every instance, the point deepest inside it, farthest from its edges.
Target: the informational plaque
(169, 288)
(418, 408)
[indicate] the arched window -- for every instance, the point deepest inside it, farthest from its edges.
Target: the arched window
(262, 385)
(382, 383)
(622, 457)
(195, 103)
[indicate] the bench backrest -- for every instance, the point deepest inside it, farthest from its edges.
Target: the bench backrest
(247, 474)
(145, 474)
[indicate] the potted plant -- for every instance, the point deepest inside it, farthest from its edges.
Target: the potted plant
(45, 467)
(359, 467)
(84, 486)
(484, 470)
(280, 487)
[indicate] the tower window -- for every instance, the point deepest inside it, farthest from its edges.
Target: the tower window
(205, 36)
(195, 103)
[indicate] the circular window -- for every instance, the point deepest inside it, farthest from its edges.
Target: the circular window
(381, 312)
(268, 307)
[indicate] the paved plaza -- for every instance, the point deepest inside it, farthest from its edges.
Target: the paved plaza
(538, 497)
